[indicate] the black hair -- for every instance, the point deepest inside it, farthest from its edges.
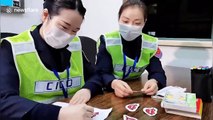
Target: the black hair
(129, 3)
(54, 6)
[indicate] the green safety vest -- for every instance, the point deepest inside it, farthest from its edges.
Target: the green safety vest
(115, 48)
(37, 83)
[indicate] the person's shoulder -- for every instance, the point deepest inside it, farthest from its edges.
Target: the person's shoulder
(4, 43)
(112, 34)
(21, 37)
(149, 37)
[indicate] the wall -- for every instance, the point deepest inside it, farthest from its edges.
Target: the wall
(101, 17)
(186, 56)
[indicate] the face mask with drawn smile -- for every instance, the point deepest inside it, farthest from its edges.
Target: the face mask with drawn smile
(130, 32)
(57, 38)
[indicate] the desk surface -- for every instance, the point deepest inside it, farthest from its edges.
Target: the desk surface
(109, 100)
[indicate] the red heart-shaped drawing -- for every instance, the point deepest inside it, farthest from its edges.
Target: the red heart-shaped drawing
(132, 107)
(150, 111)
(126, 117)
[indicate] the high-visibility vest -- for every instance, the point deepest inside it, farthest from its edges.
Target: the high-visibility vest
(37, 83)
(115, 48)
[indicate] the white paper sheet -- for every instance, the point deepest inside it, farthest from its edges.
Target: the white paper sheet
(174, 89)
(101, 114)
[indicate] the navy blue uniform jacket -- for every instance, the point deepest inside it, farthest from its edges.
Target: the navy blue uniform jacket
(14, 107)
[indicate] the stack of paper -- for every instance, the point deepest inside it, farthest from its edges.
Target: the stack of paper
(185, 104)
(174, 89)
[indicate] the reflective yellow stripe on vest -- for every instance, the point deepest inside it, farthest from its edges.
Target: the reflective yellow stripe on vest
(36, 81)
(115, 49)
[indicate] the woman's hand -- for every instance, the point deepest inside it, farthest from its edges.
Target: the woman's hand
(150, 87)
(81, 96)
(76, 112)
(121, 88)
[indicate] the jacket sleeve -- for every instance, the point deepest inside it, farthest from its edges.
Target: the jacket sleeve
(104, 65)
(12, 106)
(92, 78)
(156, 72)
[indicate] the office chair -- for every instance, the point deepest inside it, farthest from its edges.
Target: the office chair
(7, 34)
(89, 48)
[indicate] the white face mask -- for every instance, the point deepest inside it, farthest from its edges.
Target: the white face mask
(129, 32)
(57, 38)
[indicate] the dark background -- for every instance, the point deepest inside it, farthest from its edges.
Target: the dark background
(179, 18)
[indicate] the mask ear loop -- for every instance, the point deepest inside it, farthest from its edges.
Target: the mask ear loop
(49, 17)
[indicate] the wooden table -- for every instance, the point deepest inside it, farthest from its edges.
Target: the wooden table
(109, 100)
